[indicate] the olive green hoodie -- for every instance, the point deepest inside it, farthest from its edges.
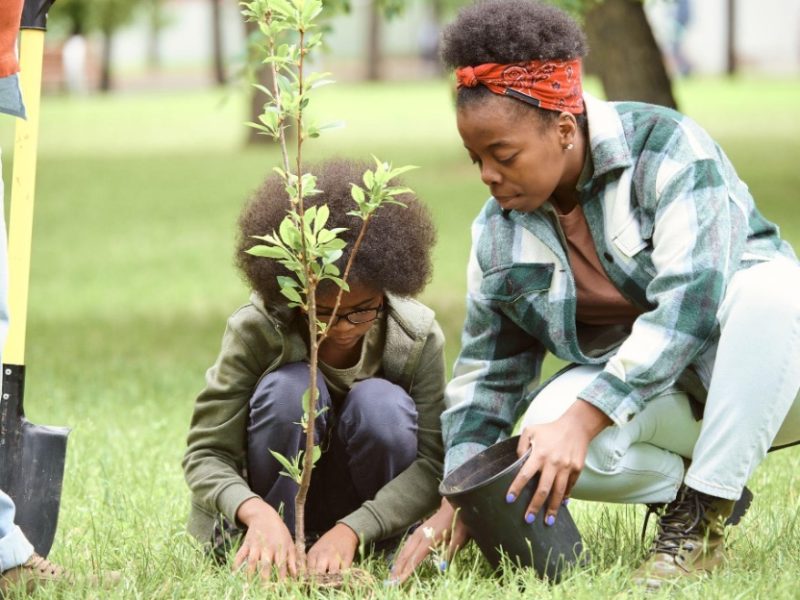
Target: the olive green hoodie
(257, 342)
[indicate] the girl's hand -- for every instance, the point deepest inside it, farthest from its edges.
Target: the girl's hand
(334, 551)
(558, 454)
(444, 526)
(267, 543)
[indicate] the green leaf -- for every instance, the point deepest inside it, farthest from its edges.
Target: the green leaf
(400, 170)
(267, 252)
(369, 179)
(292, 294)
(340, 282)
(330, 268)
(316, 454)
(306, 400)
(287, 282)
(292, 469)
(357, 193)
(396, 191)
(322, 217)
(289, 233)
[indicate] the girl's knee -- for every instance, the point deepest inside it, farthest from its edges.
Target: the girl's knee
(382, 412)
(281, 391)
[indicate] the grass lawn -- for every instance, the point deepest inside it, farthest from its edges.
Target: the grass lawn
(132, 281)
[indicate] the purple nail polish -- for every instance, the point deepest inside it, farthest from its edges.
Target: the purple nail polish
(443, 565)
(510, 497)
(530, 518)
(550, 520)
(565, 502)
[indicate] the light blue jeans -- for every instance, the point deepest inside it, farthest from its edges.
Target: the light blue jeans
(752, 404)
(14, 547)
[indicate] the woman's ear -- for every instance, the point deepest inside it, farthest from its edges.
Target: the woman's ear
(567, 129)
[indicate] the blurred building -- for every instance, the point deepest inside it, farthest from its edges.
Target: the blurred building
(766, 34)
(692, 33)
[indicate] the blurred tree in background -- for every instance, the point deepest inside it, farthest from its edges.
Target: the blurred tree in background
(104, 16)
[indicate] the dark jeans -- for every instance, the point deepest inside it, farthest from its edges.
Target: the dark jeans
(366, 441)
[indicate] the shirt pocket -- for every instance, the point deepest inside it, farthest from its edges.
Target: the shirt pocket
(628, 238)
(509, 283)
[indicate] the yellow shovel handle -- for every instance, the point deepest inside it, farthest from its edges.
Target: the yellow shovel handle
(23, 178)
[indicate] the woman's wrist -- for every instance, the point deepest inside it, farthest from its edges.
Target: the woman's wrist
(590, 418)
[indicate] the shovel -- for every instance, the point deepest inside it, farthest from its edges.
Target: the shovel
(31, 456)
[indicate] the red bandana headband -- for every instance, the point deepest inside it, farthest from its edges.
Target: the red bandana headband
(548, 84)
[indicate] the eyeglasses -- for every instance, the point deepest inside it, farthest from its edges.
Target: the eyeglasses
(354, 317)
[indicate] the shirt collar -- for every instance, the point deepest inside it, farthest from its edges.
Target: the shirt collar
(607, 142)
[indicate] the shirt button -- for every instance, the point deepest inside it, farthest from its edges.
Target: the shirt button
(608, 257)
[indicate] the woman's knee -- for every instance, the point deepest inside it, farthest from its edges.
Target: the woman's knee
(766, 291)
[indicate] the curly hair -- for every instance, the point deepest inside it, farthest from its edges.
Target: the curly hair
(395, 253)
(509, 31)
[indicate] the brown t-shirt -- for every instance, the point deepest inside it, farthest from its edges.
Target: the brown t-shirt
(599, 302)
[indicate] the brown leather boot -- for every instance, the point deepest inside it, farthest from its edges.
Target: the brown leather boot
(37, 571)
(690, 539)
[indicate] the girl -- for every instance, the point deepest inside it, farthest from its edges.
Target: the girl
(381, 383)
(619, 238)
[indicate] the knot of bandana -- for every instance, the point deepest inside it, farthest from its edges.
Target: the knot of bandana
(548, 84)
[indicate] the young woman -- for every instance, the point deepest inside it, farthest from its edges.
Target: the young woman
(381, 385)
(619, 238)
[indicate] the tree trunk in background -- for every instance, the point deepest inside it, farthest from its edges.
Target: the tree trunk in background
(374, 42)
(220, 77)
(625, 55)
(731, 63)
(154, 26)
(105, 60)
(257, 97)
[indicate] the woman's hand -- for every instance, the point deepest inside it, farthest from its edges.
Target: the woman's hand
(334, 551)
(444, 526)
(267, 543)
(558, 454)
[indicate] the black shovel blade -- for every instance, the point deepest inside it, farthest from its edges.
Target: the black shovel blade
(31, 464)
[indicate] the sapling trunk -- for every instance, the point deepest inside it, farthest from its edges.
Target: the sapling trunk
(300, 245)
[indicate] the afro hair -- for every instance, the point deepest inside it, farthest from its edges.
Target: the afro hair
(510, 31)
(395, 253)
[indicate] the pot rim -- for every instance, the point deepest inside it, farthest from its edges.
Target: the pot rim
(444, 490)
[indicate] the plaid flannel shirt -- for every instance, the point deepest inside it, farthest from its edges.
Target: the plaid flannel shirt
(671, 222)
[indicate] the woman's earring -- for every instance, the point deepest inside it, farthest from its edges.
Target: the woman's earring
(569, 146)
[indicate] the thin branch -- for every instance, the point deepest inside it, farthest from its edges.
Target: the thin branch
(311, 299)
(277, 95)
(346, 274)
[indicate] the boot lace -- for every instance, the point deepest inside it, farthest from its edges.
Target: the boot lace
(681, 518)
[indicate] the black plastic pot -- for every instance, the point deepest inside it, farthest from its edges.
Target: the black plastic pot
(479, 487)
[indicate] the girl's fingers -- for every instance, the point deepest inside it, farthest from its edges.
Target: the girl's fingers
(241, 556)
(291, 562)
(255, 558)
(415, 551)
(346, 562)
